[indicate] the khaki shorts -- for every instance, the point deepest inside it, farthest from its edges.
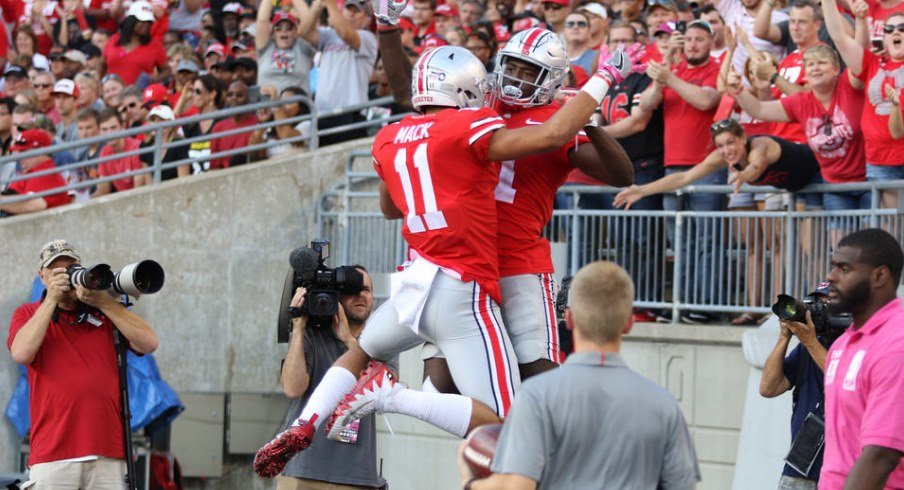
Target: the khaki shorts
(95, 474)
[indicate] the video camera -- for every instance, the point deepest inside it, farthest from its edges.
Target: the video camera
(828, 324)
(144, 277)
(324, 286)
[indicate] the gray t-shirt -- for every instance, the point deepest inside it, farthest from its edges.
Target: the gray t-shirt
(343, 72)
(594, 423)
(285, 68)
(331, 461)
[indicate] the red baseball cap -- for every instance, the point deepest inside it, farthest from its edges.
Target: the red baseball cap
(559, 2)
(281, 16)
(215, 48)
(446, 10)
(31, 139)
(154, 95)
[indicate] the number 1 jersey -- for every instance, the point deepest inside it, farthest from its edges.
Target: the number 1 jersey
(439, 176)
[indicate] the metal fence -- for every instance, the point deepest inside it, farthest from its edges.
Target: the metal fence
(718, 262)
(311, 140)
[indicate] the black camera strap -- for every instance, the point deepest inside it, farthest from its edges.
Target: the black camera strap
(800, 377)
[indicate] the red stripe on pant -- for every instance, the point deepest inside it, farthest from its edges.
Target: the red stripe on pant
(499, 356)
(552, 327)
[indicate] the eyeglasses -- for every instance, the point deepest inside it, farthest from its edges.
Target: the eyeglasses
(552, 6)
(576, 23)
(43, 85)
(199, 91)
(889, 28)
(126, 107)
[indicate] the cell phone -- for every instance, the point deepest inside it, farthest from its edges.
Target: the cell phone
(681, 26)
(877, 44)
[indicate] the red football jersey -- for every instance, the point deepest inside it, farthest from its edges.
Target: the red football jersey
(438, 174)
(524, 198)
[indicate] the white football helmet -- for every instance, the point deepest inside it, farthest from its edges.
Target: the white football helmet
(448, 76)
(539, 47)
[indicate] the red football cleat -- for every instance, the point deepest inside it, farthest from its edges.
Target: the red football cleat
(374, 387)
(272, 458)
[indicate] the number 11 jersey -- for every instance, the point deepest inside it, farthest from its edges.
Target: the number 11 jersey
(439, 176)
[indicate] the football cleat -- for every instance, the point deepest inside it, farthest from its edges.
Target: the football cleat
(272, 458)
(374, 388)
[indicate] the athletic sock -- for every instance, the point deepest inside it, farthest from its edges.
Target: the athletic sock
(336, 383)
(451, 413)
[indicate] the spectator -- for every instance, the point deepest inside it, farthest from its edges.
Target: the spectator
(348, 51)
(214, 54)
(229, 16)
(74, 62)
(244, 70)
(130, 108)
(88, 90)
(57, 63)
(132, 51)
(742, 13)
(27, 44)
(153, 95)
(874, 73)
(65, 94)
(184, 80)
(445, 17)
(660, 12)
(284, 59)
(456, 36)
(628, 10)
(555, 12)
(800, 23)
(291, 129)
(110, 124)
(6, 126)
(689, 99)
(422, 17)
(236, 95)
(801, 31)
(609, 406)
(577, 40)
(208, 95)
(170, 153)
(470, 11)
(88, 127)
(710, 15)
(43, 86)
(100, 37)
(112, 91)
(599, 23)
(483, 47)
(23, 116)
(71, 29)
(33, 139)
(15, 80)
(863, 381)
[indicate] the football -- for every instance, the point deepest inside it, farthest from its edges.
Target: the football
(480, 446)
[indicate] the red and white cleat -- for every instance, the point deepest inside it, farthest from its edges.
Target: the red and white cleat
(272, 458)
(375, 387)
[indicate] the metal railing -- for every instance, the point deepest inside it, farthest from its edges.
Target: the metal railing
(720, 262)
(159, 146)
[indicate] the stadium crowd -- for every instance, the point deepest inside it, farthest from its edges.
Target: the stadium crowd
(736, 91)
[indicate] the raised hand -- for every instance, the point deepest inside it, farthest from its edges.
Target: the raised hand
(387, 12)
(628, 197)
(616, 65)
(733, 84)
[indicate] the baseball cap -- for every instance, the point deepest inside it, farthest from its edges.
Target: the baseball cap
(90, 50)
(66, 86)
(564, 3)
(525, 23)
(162, 111)
(31, 139)
(666, 4)
(75, 56)
(54, 249)
(666, 27)
(15, 71)
(822, 288)
(233, 8)
(215, 48)
(596, 9)
(241, 46)
(446, 10)
(247, 63)
(701, 24)
(142, 11)
(187, 65)
(281, 16)
(361, 4)
(154, 95)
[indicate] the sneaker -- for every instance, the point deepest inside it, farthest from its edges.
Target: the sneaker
(664, 316)
(697, 318)
(644, 316)
(375, 386)
(272, 458)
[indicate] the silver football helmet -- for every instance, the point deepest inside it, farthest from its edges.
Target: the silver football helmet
(448, 76)
(541, 48)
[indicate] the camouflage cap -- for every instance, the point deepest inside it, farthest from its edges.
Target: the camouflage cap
(54, 249)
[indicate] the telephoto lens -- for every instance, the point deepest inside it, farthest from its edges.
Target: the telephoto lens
(788, 308)
(97, 277)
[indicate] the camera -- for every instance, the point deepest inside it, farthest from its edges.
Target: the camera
(827, 324)
(324, 286)
(144, 277)
(681, 26)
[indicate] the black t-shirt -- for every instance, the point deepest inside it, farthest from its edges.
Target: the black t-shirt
(793, 170)
(645, 148)
(173, 154)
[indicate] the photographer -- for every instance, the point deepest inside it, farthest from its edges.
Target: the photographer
(802, 370)
(351, 461)
(66, 341)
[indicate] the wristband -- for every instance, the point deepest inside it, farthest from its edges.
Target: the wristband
(773, 78)
(596, 87)
(386, 27)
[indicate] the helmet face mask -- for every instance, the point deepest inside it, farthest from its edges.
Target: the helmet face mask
(448, 76)
(532, 49)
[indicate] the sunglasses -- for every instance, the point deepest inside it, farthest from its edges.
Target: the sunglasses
(43, 85)
(552, 6)
(576, 23)
(722, 125)
(111, 76)
(23, 127)
(199, 91)
(278, 28)
(126, 107)
(889, 28)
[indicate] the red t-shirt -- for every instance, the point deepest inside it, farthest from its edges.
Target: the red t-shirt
(834, 135)
(524, 198)
(686, 127)
(226, 143)
(109, 25)
(22, 10)
(121, 165)
(43, 183)
(792, 69)
(74, 389)
(129, 65)
(877, 74)
(877, 14)
(438, 174)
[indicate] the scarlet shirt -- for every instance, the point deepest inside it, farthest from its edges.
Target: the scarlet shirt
(791, 69)
(864, 393)
(524, 198)
(129, 65)
(225, 143)
(74, 389)
(43, 183)
(121, 165)
(686, 127)
(438, 175)
(834, 135)
(877, 74)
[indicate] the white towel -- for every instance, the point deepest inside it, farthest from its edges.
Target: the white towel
(409, 289)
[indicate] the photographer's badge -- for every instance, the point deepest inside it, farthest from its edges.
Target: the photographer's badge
(349, 434)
